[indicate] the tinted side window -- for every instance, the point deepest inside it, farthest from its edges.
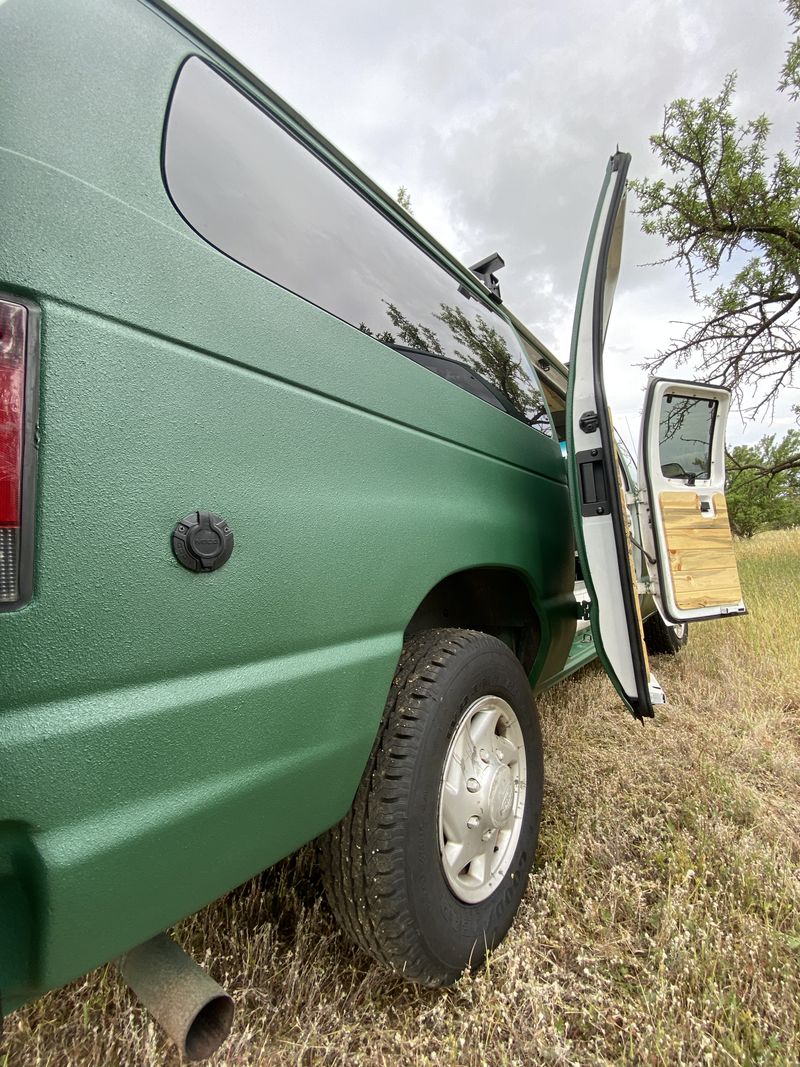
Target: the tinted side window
(251, 189)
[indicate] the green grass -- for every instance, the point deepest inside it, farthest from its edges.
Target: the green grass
(661, 925)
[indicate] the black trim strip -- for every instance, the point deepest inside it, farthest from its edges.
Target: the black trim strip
(433, 362)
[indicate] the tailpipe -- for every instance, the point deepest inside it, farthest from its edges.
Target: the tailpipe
(194, 1011)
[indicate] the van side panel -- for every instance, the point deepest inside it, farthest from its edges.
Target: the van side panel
(163, 734)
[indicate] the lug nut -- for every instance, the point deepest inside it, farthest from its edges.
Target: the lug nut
(499, 754)
(473, 785)
(484, 755)
(473, 821)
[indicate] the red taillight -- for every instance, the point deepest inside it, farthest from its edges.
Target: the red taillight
(13, 325)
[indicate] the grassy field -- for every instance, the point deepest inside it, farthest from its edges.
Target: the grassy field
(661, 925)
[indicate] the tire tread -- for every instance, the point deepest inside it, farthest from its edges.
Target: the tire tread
(366, 893)
(660, 638)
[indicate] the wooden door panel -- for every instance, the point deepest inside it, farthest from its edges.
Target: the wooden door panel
(702, 563)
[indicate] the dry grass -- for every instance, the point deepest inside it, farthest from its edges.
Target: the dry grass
(661, 926)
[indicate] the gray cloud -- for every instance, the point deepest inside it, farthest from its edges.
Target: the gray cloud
(499, 119)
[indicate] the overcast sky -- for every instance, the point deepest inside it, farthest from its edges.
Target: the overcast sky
(499, 119)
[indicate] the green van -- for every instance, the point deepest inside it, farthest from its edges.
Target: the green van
(287, 535)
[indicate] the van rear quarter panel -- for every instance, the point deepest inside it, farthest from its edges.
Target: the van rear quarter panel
(165, 735)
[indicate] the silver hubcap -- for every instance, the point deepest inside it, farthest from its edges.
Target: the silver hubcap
(482, 799)
(679, 629)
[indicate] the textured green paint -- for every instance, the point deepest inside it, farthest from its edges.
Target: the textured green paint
(581, 652)
(165, 735)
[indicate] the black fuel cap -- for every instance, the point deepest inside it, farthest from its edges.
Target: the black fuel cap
(202, 541)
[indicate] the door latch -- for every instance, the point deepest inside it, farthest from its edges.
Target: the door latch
(592, 477)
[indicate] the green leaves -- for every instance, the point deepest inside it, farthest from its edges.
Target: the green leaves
(790, 75)
(403, 198)
(729, 213)
(763, 484)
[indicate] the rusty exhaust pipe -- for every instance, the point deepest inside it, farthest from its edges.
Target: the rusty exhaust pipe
(194, 1011)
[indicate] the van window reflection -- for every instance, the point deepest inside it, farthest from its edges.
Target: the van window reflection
(477, 344)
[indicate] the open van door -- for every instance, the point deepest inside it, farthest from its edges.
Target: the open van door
(688, 542)
(600, 514)
(685, 529)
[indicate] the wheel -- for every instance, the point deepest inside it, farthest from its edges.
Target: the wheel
(428, 868)
(663, 638)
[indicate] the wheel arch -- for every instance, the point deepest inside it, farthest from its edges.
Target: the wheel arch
(495, 600)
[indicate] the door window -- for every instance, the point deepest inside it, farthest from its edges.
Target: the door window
(686, 427)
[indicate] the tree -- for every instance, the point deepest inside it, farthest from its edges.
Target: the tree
(730, 215)
(403, 198)
(414, 335)
(486, 353)
(763, 485)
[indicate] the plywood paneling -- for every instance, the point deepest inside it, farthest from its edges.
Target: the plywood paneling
(702, 563)
(631, 563)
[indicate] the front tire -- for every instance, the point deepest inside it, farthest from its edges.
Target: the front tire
(428, 868)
